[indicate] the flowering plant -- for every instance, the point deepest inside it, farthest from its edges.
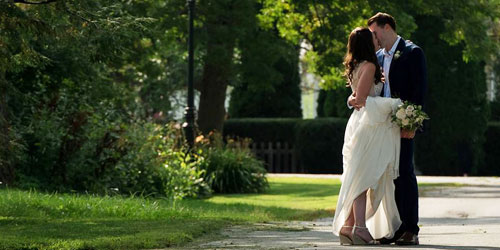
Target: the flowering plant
(409, 116)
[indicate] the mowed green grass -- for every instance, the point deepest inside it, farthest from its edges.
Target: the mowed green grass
(34, 220)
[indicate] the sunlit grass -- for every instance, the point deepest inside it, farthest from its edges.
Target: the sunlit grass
(292, 193)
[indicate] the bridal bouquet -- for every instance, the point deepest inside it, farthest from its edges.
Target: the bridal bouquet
(409, 116)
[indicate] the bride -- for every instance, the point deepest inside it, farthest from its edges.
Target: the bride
(366, 208)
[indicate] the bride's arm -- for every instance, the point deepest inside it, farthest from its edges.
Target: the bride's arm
(367, 75)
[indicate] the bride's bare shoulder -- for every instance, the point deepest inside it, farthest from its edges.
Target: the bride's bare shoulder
(367, 66)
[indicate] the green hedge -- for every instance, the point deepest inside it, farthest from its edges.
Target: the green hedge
(262, 129)
(491, 151)
(318, 142)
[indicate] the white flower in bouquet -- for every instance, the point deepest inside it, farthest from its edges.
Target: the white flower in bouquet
(409, 110)
(401, 114)
(409, 116)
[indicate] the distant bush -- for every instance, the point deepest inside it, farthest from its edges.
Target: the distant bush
(495, 111)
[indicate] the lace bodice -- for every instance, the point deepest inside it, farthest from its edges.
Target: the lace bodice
(375, 90)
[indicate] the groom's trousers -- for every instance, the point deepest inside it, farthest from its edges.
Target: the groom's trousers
(407, 190)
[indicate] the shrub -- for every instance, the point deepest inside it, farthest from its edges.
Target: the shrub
(231, 168)
(107, 155)
(184, 176)
(235, 171)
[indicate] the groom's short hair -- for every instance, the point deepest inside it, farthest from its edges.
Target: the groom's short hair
(382, 19)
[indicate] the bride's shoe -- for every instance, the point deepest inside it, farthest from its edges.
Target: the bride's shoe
(357, 240)
(345, 239)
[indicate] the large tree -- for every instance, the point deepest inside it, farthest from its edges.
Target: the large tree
(268, 83)
(225, 24)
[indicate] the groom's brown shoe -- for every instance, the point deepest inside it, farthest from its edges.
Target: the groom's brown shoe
(408, 238)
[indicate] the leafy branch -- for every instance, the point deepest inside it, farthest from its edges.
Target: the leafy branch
(29, 2)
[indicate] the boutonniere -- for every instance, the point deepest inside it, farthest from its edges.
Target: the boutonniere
(397, 54)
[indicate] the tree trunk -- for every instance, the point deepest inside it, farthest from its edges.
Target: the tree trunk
(215, 79)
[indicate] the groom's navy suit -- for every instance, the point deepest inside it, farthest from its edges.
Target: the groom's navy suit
(408, 81)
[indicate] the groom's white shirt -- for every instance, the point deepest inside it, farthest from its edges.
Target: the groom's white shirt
(387, 66)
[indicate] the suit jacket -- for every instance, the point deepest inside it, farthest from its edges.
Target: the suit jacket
(408, 72)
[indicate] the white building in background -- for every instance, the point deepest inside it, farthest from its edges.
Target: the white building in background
(179, 102)
(309, 85)
(491, 84)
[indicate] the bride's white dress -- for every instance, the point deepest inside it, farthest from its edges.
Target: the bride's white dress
(371, 162)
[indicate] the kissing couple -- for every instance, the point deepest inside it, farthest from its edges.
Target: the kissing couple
(378, 199)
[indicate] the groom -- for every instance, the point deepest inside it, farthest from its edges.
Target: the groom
(405, 72)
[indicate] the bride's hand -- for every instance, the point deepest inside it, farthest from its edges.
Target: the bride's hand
(407, 134)
(352, 102)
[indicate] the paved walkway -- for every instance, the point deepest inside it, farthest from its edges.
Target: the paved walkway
(466, 217)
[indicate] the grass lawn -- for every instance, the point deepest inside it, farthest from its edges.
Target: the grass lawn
(34, 220)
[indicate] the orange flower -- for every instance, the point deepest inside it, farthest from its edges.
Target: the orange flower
(199, 138)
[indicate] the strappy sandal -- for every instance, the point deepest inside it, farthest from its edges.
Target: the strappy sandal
(360, 241)
(345, 239)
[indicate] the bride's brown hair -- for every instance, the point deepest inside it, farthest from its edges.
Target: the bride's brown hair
(360, 48)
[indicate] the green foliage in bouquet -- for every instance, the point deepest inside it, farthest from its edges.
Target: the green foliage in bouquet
(409, 116)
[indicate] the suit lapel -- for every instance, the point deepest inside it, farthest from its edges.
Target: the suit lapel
(400, 48)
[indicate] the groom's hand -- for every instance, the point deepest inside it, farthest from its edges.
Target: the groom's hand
(407, 134)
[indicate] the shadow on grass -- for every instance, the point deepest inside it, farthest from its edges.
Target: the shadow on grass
(102, 233)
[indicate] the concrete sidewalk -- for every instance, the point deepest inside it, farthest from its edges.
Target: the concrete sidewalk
(466, 217)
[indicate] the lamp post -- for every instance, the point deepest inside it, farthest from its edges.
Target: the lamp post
(190, 111)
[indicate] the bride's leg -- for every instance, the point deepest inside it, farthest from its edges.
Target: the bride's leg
(347, 227)
(350, 219)
(359, 208)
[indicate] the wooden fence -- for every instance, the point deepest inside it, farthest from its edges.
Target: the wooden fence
(279, 157)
